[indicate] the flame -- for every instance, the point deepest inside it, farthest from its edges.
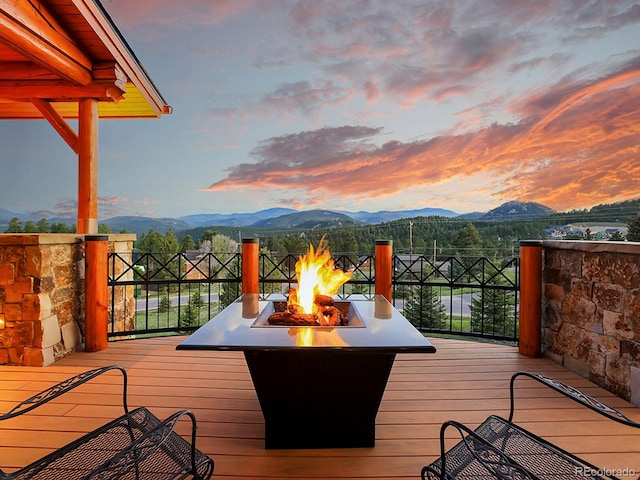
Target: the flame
(316, 275)
(305, 337)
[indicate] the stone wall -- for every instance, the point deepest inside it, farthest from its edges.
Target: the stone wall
(40, 285)
(42, 295)
(591, 312)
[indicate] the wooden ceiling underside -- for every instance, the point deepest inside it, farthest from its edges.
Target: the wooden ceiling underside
(58, 52)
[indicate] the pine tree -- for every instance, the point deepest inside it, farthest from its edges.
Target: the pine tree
(231, 290)
(43, 225)
(468, 246)
(493, 312)
(424, 309)
(15, 226)
(633, 234)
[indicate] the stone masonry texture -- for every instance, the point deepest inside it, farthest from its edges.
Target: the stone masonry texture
(591, 312)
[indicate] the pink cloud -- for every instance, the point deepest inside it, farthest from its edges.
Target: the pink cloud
(576, 144)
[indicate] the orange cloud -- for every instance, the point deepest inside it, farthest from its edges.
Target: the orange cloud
(576, 144)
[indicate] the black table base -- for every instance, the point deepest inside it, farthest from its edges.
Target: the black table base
(314, 398)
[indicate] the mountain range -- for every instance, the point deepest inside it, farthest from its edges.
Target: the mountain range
(282, 218)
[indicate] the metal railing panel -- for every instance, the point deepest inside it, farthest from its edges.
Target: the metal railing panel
(154, 294)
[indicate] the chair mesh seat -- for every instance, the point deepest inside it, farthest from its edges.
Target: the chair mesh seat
(83, 456)
(534, 454)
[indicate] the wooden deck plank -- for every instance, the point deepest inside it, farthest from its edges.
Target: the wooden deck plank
(464, 380)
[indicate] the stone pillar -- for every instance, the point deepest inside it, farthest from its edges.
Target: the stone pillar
(40, 297)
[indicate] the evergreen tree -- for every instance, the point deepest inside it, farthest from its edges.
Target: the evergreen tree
(187, 243)
(633, 234)
(190, 313)
(231, 290)
(468, 246)
(493, 312)
(424, 309)
(164, 304)
(15, 226)
(30, 227)
(60, 228)
(469, 242)
(188, 317)
(163, 261)
(43, 226)
(104, 229)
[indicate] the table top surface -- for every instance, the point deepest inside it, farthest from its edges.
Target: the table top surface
(239, 327)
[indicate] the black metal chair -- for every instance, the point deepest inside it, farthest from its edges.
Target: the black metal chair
(136, 445)
(499, 448)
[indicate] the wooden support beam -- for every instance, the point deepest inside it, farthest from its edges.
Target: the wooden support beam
(88, 167)
(61, 91)
(25, 71)
(30, 29)
(61, 126)
(96, 293)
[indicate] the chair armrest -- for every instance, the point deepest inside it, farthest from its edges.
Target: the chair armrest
(574, 394)
(495, 461)
(62, 388)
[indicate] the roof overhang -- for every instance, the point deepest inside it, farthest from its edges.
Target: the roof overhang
(55, 53)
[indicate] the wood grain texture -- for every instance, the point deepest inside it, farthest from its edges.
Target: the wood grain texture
(464, 380)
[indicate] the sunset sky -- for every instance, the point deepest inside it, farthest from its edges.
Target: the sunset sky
(358, 105)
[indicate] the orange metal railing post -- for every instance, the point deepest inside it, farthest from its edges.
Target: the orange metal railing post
(96, 293)
(250, 254)
(250, 279)
(384, 269)
(530, 343)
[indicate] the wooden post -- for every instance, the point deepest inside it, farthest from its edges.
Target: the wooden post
(384, 269)
(250, 254)
(530, 343)
(87, 167)
(250, 279)
(96, 292)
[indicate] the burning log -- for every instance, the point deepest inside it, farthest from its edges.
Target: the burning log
(323, 300)
(293, 319)
(332, 316)
(327, 314)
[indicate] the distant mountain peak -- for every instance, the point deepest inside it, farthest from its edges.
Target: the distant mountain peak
(517, 209)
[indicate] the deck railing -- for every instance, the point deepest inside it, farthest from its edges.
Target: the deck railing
(468, 296)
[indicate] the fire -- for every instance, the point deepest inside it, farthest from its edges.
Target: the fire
(317, 275)
(310, 337)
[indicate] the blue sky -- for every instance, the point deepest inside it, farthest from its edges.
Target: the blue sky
(358, 105)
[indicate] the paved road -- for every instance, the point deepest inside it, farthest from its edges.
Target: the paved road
(141, 303)
(459, 305)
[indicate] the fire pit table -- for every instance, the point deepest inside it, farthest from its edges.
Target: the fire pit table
(318, 387)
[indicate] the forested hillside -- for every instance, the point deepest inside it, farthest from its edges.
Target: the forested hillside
(421, 235)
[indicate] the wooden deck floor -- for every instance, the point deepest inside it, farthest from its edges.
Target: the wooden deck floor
(464, 380)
